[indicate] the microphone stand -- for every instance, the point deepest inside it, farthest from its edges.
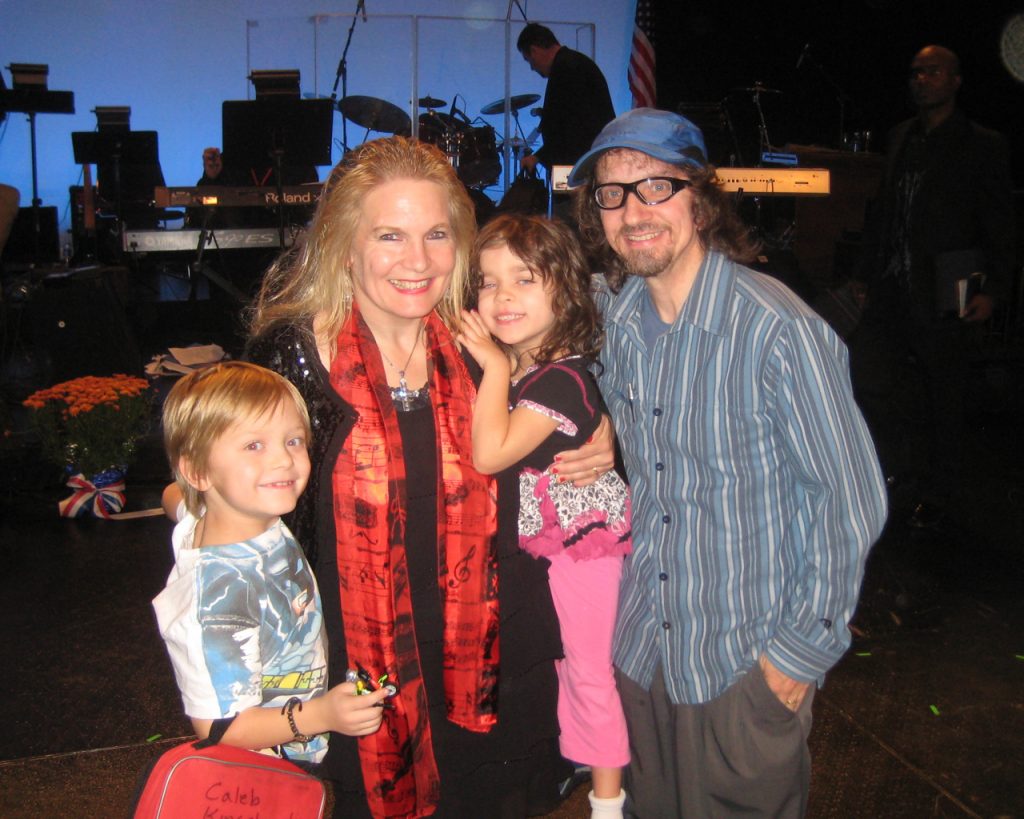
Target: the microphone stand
(278, 156)
(201, 268)
(508, 14)
(842, 98)
(342, 74)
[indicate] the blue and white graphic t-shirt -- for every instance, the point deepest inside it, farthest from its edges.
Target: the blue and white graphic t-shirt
(243, 626)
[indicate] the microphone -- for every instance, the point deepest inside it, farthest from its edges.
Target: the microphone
(451, 113)
(803, 55)
(362, 8)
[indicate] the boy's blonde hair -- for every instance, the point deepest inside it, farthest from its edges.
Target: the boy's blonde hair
(205, 403)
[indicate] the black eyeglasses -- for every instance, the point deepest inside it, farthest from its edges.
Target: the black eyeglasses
(652, 191)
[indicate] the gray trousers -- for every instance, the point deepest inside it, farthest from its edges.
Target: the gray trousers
(743, 753)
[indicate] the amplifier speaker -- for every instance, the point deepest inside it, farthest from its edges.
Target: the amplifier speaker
(20, 247)
(79, 323)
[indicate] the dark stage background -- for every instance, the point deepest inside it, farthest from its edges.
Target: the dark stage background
(858, 50)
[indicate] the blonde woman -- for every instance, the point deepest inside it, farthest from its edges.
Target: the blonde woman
(418, 565)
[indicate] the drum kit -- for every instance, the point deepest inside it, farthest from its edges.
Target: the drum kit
(472, 146)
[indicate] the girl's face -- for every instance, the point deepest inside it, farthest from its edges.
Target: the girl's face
(404, 251)
(514, 304)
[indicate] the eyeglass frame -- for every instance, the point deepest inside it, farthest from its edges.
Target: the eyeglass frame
(675, 183)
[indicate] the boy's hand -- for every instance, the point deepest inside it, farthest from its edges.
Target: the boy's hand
(476, 338)
(170, 501)
(355, 715)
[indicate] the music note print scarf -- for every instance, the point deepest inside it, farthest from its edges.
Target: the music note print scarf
(398, 765)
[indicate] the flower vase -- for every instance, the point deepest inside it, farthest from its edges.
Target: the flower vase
(99, 496)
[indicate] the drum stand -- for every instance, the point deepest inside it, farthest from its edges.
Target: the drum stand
(519, 144)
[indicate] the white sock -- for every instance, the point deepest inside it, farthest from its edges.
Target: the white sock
(610, 808)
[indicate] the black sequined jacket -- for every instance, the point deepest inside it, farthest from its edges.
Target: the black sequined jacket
(291, 351)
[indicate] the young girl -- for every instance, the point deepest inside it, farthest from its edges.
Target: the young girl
(534, 299)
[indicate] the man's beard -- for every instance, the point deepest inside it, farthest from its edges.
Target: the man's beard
(646, 264)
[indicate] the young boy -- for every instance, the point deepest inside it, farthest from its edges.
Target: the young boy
(241, 611)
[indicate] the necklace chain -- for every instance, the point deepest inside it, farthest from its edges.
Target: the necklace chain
(402, 392)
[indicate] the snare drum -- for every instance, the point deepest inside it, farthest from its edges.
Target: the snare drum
(478, 164)
(441, 131)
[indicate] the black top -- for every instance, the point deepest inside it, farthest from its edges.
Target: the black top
(959, 199)
(577, 106)
(563, 389)
(518, 758)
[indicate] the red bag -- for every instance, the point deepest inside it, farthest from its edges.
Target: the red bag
(203, 779)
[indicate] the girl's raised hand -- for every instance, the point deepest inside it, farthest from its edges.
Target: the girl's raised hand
(476, 338)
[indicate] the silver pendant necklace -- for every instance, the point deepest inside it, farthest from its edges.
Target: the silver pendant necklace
(402, 393)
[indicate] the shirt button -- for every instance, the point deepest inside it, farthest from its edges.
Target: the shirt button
(659, 466)
(663, 576)
(666, 625)
(666, 519)
(657, 411)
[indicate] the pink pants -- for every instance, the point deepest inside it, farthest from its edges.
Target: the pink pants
(586, 595)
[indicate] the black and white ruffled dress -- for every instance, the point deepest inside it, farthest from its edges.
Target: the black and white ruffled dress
(587, 522)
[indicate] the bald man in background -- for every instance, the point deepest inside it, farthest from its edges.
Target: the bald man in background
(944, 211)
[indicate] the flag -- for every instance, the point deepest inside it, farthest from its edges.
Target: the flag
(641, 59)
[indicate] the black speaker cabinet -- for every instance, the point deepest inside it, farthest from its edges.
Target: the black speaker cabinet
(20, 247)
(78, 322)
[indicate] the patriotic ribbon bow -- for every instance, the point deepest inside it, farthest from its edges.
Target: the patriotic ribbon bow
(101, 497)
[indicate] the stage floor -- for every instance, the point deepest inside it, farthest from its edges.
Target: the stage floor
(924, 717)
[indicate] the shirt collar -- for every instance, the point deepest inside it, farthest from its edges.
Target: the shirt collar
(705, 308)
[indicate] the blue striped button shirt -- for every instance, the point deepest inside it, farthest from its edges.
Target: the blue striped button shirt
(756, 489)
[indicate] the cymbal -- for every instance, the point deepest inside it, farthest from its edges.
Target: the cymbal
(375, 114)
(514, 104)
(432, 102)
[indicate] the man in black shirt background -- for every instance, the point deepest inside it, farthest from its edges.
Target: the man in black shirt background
(577, 104)
(944, 212)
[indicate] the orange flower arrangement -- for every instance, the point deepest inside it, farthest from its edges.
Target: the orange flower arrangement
(91, 423)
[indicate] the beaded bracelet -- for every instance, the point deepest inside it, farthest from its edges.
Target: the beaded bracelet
(287, 710)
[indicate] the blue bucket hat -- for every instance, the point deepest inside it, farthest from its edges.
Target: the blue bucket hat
(660, 134)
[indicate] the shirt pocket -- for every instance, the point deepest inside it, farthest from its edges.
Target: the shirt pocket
(620, 396)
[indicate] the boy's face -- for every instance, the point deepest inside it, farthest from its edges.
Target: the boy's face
(256, 471)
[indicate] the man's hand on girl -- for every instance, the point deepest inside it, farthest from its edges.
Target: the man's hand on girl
(585, 465)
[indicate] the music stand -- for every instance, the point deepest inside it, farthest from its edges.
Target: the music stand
(115, 148)
(31, 96)
(277, 131)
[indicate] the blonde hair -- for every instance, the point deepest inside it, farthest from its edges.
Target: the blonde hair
(317, 280)
(204, 404)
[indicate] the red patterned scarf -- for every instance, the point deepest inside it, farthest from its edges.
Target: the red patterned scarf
(399, 769)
